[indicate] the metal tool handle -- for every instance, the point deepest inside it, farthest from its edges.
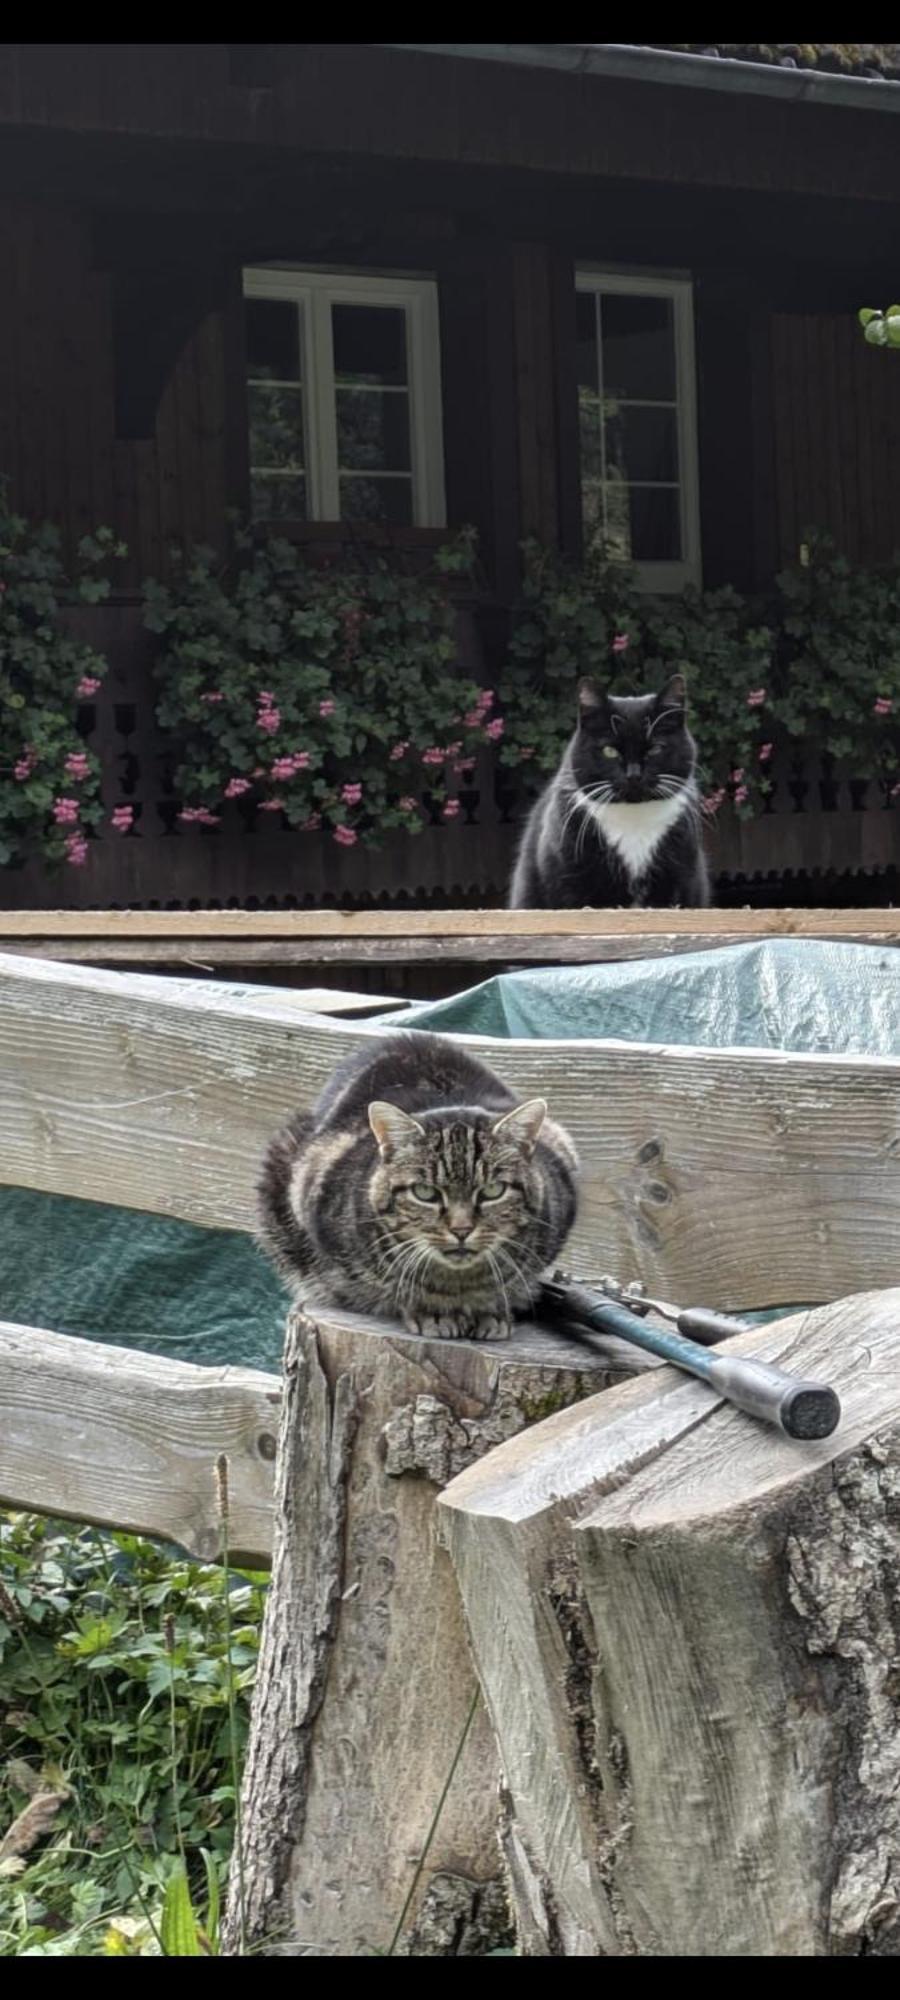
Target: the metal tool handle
(708, 1327)
(799, 1408)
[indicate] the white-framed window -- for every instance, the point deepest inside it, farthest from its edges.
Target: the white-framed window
(638, 423)
(344, 397)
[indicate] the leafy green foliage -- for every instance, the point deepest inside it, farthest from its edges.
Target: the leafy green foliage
(594, 621)
(819, 664)
(329, 695)
(881, 329)
(49, 781)
(839, 672)
(85, 1687)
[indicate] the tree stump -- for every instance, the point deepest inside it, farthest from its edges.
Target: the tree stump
(687, 1629)
(365, 1677)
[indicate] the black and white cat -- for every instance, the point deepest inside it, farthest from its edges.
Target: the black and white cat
(619, 825)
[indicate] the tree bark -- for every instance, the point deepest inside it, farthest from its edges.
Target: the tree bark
(365, 1677)
(687, 1630)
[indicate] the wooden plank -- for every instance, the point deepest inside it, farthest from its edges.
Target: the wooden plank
(502, 952)
(405, 925)
(744, 1176)
(128, 1440)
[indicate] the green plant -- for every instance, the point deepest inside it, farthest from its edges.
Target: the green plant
(594, 621)
(331, 696)
(881, 329)
(49, 780)
(121, 1663)
(839, 672)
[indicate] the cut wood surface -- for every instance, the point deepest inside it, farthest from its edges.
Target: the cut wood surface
(738, 1177)
(686, 1628)
(127, 1440)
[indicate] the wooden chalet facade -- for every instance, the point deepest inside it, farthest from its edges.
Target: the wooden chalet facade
(465, 235)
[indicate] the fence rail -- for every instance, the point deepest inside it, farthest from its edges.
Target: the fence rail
(129, 1440)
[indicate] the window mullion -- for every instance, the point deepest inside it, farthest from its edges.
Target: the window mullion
(328, 494)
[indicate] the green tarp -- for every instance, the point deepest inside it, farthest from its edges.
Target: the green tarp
(838, 999)
(207, 1295)
(138, 1280)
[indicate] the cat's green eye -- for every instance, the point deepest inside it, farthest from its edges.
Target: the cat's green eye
(422, 1191)
(609, 750)
(493, 1191)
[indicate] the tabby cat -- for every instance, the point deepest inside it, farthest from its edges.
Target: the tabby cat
(421, 1189)
(619, 824)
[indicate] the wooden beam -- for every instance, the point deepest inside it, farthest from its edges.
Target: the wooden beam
(684, 1625)
(511, 928)
(749, 1177)
(127, 1440)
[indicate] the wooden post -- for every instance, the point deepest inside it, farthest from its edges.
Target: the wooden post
(687, 1631)
(365, 1679)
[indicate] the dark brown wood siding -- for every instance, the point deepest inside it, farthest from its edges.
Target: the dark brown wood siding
(57, 425)
(835, 436)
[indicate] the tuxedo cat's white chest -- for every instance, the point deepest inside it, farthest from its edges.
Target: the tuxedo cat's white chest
(635, 831)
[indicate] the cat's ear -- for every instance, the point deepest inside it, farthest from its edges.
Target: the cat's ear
(523, 1124)
(394, 1129)
(589, 698)
(674, 694)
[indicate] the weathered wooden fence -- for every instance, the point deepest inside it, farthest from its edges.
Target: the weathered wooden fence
(685, 1629)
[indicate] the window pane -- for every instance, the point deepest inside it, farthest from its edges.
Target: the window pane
(278, 499)
(369, 344)
(655, 524)
(273, 339)
(642, 443)
(606, 530)
(638, 347)
(388, 500)
(586, 339)
(276, 427)
(373, 430)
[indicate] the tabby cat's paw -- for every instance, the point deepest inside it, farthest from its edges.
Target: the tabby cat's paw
(461, 1326)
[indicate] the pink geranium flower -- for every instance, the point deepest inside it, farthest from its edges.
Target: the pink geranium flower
(269, 719)
(409, 805)
(24, 767)
(76, 764)
(326, 707)
(883, 705)
(399, 750)
(495, 729)
(213, 695)
(345, 836)
(236, 787)
(765, 752)
(76, 850)
(122, 819)
(740, 795)
(434, 756)
(756, 697)
(87, 686)
(351, 794)
(65, 811)
(621, 642)
(451, 809)
(312, 824)
(282, 768)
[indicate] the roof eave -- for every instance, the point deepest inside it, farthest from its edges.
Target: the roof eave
(630, 63)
